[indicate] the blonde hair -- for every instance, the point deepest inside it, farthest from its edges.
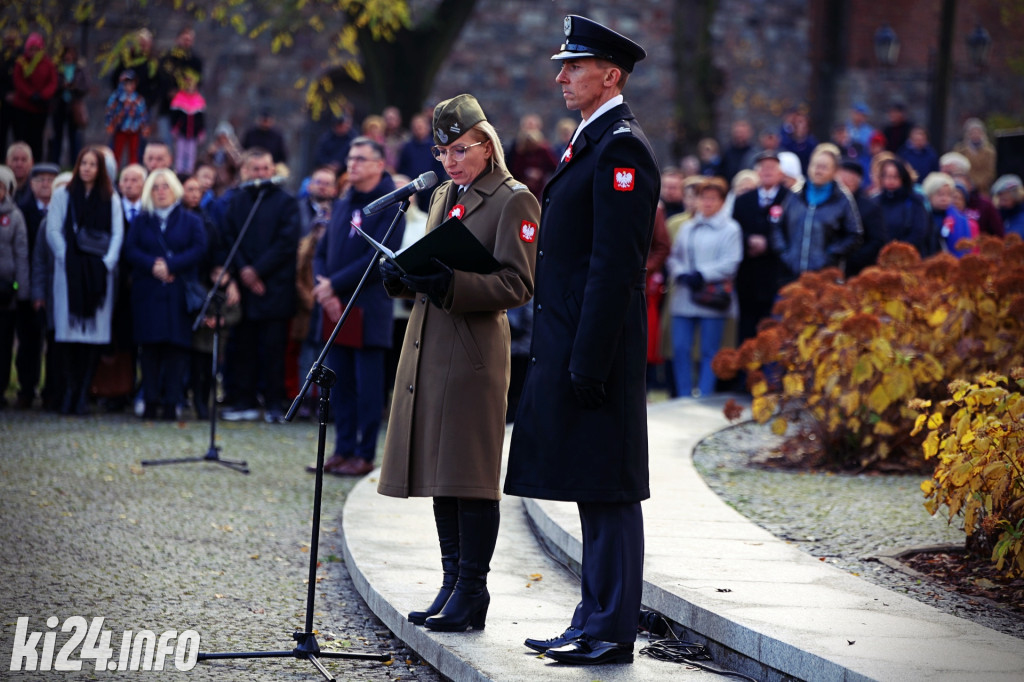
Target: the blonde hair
(936, 181)
(745, 176)
(491, 134)
(7, 180)
(172, 180)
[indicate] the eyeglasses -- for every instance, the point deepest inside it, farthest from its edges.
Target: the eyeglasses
(361, 159)
(458, 153)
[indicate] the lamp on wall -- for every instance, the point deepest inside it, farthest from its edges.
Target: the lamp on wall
(979, 45)
(887, 45)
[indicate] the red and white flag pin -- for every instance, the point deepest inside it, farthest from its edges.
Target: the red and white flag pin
(458, 210)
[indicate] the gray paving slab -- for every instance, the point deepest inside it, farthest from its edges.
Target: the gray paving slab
(391, 553)
(770, 610)
(782, 607)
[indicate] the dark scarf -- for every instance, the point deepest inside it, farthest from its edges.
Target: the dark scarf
(86, 274)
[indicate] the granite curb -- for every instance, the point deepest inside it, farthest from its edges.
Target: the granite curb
(767, 609)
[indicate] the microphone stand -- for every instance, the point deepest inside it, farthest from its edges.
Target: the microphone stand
(215, 296)
(307, 647)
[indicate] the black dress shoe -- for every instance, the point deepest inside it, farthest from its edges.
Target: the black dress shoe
(542, 645)
(589, 651)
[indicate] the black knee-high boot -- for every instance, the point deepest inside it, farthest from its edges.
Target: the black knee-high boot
(478, 532)
(446, 518)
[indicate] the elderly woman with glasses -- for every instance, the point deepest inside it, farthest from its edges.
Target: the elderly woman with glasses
(163, 250)
(447, 421)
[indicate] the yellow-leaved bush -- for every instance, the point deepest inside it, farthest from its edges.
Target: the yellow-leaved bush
(852, 354)
(979, 473)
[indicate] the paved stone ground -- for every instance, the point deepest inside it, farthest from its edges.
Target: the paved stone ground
(86, 531)
(844, 520)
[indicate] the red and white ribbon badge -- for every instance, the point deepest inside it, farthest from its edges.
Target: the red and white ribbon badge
(458, 210)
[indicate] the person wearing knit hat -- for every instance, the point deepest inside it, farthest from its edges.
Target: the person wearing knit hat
(791, 168)
(581, 426)
(447, 421)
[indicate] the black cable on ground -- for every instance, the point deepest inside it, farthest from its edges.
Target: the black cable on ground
(675, 650)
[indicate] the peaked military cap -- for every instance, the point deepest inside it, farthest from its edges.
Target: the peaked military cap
(587, 38)
(453, 117)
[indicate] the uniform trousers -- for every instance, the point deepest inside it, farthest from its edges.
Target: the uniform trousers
(613, 570)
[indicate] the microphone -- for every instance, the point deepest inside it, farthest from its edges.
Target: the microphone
(259, 182)
(425, 181)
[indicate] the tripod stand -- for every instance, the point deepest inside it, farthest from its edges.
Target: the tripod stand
(307, 647)
(215, 296)
(213, 453)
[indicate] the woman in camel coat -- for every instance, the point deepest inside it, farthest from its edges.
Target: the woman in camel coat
(447, 421)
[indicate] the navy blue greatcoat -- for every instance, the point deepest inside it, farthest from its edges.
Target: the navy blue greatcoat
(590, 319)
(158, 309)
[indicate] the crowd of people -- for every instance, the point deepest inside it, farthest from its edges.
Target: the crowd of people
(104, 267)
(736, 221)
(127, 275)
(736, 225)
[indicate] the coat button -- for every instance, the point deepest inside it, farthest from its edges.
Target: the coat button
(540, 307)
(415, 344)
(410, 388)
(423, 300)
(533, 361)
(540, 254)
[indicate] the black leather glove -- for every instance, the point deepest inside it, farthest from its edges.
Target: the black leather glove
(435, 284)
(389, 272)
(590, 393)
(694, 280)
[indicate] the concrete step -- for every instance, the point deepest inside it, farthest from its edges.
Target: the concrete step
(765, 608)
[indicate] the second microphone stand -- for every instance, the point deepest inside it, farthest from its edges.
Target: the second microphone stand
(216, 297)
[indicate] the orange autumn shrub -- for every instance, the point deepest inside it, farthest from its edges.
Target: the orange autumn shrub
(852, 354)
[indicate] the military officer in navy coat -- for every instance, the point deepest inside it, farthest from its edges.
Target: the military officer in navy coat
(581, 427)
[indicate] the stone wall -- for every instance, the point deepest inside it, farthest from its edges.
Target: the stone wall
(763, 52)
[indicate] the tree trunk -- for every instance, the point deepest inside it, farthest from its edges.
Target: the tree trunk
(697, 79)
(401, 72)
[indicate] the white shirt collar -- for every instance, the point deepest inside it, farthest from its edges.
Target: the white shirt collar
(610, 104)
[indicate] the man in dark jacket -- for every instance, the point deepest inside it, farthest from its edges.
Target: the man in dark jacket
(265, 267)
(851, 176)
(758, 275)
(29, 322)
(341, 259)
(581, 428)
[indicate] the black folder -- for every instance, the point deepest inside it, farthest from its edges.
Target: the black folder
(453, 244)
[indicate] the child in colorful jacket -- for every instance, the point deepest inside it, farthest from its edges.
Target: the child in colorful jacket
(127, 118)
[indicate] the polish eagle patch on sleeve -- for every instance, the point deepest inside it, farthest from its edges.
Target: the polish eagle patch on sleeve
(624, 179)
(528, 231)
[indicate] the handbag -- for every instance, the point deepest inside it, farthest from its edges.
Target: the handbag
(92, 242)
(195, 295)
(714, 295)
(351, 333)
(79, 114)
